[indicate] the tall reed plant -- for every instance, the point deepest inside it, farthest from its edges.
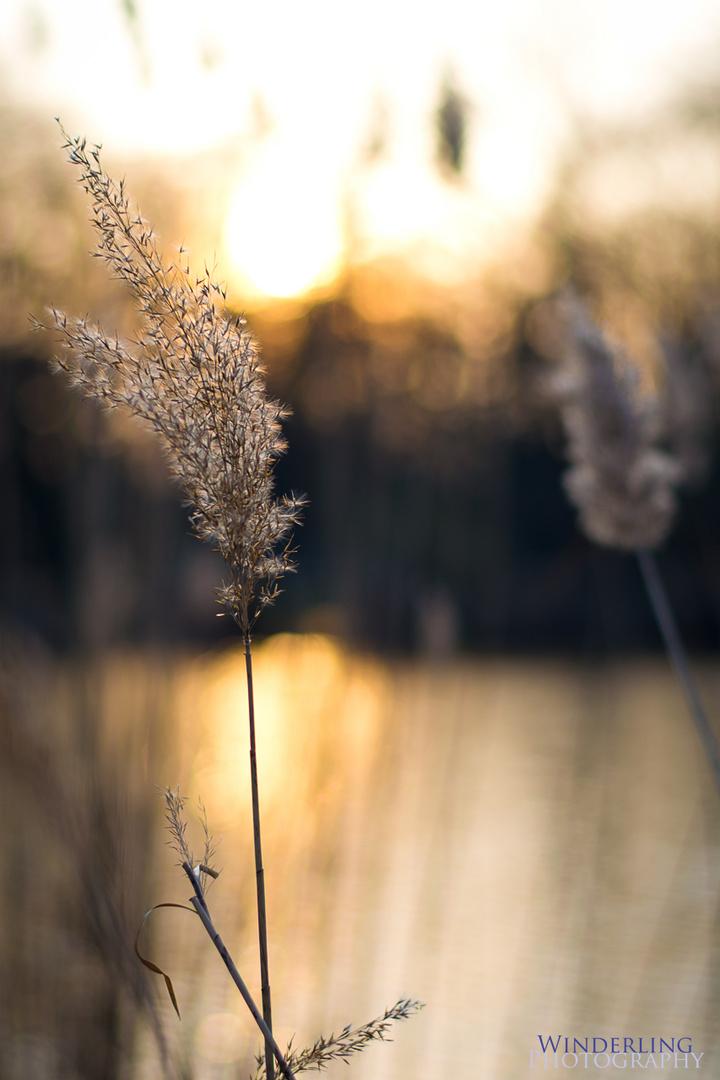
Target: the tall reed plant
(621, 478)
(194, 375)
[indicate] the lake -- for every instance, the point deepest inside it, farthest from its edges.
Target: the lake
(529, 847)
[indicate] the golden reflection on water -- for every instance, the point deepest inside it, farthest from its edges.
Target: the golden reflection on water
(528, 847)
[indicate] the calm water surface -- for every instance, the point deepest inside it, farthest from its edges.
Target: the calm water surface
(530, 848)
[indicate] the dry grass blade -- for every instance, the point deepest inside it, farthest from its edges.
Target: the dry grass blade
(149, 963)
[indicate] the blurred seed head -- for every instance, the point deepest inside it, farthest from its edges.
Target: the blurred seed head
(622, 483)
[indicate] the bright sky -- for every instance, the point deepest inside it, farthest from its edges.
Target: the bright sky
(304, 86)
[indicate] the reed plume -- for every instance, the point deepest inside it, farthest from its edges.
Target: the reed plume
(194, 375)
(620, 479)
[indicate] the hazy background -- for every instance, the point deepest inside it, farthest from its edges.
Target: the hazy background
(496, 800)
(390, 196)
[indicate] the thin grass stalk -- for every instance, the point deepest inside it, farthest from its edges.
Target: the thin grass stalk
(678, 657)
(259, 870)
(198, 902)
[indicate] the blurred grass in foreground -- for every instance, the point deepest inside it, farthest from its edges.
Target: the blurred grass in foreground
(529, 847)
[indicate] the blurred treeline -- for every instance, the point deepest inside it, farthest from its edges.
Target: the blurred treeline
(422, 431)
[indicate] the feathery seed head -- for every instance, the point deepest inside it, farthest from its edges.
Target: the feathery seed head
(195, 376)
(621, 483)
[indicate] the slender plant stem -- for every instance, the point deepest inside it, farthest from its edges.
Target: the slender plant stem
(198, 902)
(666, 621)
(259, 871)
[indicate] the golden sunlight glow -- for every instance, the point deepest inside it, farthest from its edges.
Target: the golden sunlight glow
(334, 122)
(306, 689)
(443, 229)
(220, 1038)
(283, 232)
